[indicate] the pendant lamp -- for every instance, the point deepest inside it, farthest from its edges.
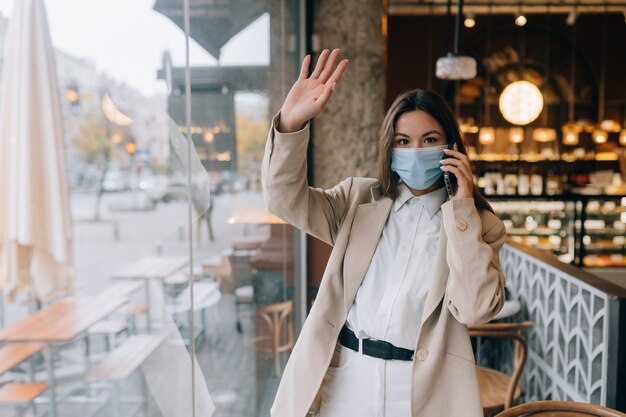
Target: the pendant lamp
(546, 133)
(516, 134)
(600, 135)
(571, 130)
(521, 101)
(486, 134)
(455, 66)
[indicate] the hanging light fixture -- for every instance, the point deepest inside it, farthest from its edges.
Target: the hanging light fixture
(600, 135)
(516, 135)
(487, 134)
(571, 17)
(520, 19)
(521, 101)
(622, 134)
(470, 21)
(610, 125)
(545, 133)
(455, 66)
(468, 125)
(571, 130)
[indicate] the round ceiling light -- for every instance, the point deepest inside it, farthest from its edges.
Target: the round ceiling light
(521, 102)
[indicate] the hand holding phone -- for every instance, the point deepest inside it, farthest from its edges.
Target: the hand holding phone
(449, 179)
(460, 180)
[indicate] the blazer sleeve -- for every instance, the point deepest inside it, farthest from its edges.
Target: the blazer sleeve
(475, 288)
(286, 191)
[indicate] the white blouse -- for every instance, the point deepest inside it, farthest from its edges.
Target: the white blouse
(390, 301)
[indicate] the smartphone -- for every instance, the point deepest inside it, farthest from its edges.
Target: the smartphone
(449, 179)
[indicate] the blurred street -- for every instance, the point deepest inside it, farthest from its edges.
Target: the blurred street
(130, 228)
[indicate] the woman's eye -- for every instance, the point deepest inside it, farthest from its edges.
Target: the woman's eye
(430, 140)
(402, 141)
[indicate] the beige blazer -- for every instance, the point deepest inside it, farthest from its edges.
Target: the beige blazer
(467, 286)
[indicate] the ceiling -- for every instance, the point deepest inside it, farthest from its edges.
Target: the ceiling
(425, 7)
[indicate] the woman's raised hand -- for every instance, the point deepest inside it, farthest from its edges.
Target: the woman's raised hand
(308, 96)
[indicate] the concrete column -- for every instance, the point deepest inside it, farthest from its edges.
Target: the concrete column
(346, 133)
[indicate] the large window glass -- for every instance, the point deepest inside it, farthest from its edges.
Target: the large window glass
(133, 232)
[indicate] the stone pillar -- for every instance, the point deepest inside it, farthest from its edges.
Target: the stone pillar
(346, 133)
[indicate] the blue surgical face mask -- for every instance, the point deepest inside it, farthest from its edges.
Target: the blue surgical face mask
(419, 168)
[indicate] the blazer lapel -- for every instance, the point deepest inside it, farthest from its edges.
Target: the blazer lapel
(441, 270)
(368, 224)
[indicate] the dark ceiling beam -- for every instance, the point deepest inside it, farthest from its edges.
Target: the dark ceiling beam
(438, 7)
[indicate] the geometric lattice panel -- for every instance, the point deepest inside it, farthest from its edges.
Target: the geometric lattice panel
(568, 347)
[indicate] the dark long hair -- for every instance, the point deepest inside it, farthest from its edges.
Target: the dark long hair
(433, 104)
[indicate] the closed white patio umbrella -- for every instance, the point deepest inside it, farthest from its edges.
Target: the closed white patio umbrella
(35, 223)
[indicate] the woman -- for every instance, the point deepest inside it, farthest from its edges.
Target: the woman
(386, 335)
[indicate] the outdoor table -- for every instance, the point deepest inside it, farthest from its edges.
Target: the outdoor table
(151, 268)
(60, 323)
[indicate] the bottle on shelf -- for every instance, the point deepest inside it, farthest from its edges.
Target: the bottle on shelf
(536, 183)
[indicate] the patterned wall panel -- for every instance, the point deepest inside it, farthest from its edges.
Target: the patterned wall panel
(568, 347)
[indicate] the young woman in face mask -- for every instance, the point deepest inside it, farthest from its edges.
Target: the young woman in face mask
(411, 265)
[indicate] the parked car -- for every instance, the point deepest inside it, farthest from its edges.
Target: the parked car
(115, 181)
(163, 188)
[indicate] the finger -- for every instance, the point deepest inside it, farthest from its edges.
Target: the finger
(321, 62)
(460, 175)
(456, 154)
(465, 184)
(304, 71)
(330, 65)
(341, 68)
(462, 165)
(324, 97)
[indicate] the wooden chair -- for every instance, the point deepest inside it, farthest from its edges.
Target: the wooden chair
(559, 408)
(498, 390)
(277, 317)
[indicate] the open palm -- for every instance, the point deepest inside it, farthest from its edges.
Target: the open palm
(309, 95)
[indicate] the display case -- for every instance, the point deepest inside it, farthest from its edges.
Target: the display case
(585, 230)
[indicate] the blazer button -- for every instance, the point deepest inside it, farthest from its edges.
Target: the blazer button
(421, 354)
(461, 224)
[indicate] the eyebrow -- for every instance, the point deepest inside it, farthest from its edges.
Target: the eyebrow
(425, 134)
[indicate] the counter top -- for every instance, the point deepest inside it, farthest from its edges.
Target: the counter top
(603, 283)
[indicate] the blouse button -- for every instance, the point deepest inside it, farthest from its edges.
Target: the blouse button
(422, 354)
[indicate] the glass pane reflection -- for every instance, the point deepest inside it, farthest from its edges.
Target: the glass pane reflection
(121, 93)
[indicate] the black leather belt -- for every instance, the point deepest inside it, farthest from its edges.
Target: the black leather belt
(375, 348)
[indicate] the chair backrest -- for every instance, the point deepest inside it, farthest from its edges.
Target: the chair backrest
(513, 331)
(269, 288)
(559, 409)
(277, 315)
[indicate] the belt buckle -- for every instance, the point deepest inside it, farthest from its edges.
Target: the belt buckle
(360, 346)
